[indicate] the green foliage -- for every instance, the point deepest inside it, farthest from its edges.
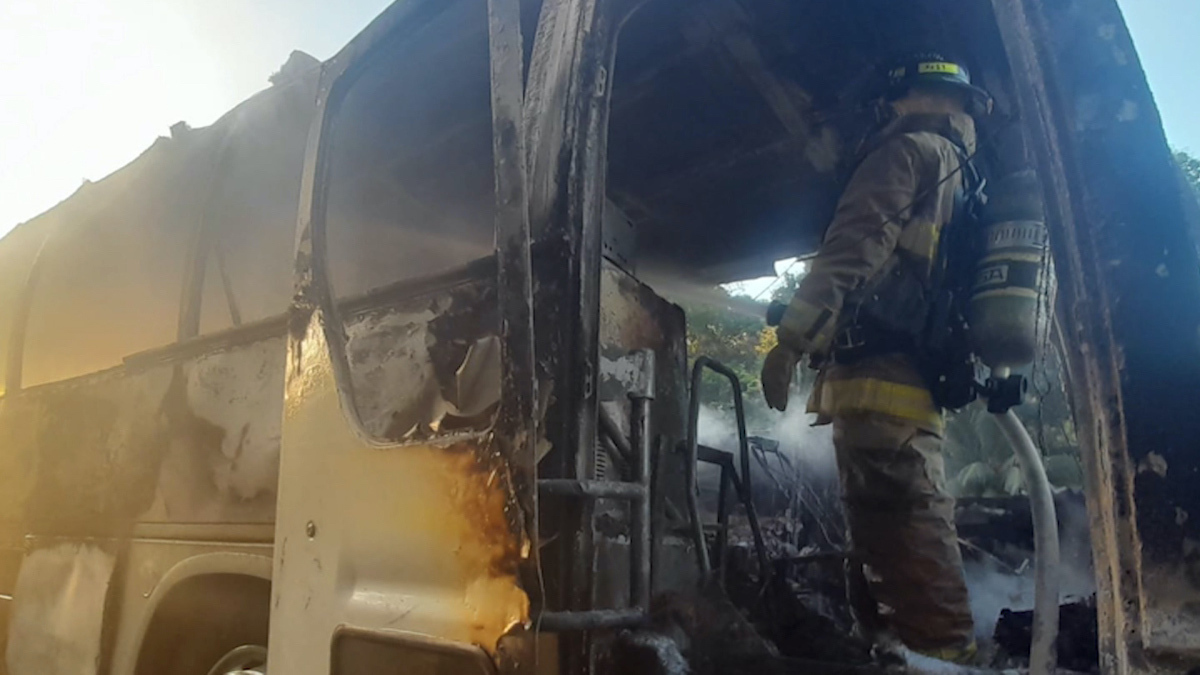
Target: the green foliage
(979, 459)
(783, 289)
(733, 339)
(1191, 170)
(740, 342)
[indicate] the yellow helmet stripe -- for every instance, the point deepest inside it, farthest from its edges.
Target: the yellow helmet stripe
(938, 67)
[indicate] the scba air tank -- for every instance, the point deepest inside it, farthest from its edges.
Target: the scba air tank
(1011, 273)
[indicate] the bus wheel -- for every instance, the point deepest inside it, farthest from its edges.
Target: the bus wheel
(204, 621)
(244, 660)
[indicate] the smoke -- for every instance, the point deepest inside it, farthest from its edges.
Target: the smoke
(796, 481)
(682, 287)
(993, 589)
(809, 448)
(994, 586)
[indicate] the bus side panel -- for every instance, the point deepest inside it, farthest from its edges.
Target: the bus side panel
(192, 442)
(58, 613)
(171, 444)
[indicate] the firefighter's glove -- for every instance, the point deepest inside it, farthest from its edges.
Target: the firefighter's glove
(778, 370)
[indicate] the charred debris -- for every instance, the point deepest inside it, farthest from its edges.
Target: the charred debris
(795, 618)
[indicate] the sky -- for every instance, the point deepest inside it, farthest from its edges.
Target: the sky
(92, 83)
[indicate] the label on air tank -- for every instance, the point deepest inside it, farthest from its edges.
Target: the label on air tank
(992, 274)
(1013, 259)
(1027, 234)
(999, 275)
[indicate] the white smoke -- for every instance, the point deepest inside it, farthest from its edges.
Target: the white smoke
(798, 481)
(994, 587)
(808, 447)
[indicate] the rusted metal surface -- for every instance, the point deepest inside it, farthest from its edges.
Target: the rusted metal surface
(518, 424)
(633, 317)
(593, 489)
(1130, 287)
(58, 614)
(641, 542)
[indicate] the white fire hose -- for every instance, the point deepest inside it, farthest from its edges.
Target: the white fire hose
(1042, 654)
(1042, 657)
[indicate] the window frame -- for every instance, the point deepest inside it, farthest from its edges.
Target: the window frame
(509, 263)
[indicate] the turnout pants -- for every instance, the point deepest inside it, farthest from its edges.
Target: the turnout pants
(905, 573)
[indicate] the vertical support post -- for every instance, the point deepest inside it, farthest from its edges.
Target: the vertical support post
(693, 458)
(723, 524)
(566, 127)
(518, 423)
(640, 542)
(20, 323)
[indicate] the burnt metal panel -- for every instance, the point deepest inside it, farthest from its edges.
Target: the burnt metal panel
(190, 440)
(443, 558)
(566, 139)
(427, 365)
(220, 458)
(620, 238)
(633, 317)
(1129, 284)
(452, 550)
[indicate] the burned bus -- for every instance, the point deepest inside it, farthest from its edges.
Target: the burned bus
(379, 372)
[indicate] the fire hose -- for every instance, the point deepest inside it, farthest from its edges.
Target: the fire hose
(1042, 659)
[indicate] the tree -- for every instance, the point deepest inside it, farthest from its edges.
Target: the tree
(729, 337)
(739, 342)
(1191, 169)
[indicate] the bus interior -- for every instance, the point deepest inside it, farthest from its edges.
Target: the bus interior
(159, 355)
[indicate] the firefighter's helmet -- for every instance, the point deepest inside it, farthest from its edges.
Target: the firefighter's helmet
(934, 70)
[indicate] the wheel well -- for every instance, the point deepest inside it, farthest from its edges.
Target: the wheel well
(201, 619)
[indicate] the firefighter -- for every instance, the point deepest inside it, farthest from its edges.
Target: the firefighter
(860, 315)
